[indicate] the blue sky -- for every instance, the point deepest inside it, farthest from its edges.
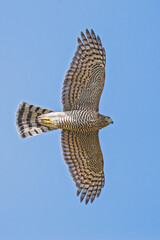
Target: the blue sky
(37, 196)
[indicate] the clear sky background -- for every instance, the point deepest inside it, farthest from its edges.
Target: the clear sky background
(37, 196)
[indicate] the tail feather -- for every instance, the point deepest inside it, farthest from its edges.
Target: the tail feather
(27, 120)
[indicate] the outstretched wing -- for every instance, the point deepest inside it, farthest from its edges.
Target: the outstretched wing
(83, 155)
(84, 80)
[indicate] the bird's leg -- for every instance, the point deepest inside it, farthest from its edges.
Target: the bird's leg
(51, 119)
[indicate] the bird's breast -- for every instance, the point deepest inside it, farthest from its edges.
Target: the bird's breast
(78, 120)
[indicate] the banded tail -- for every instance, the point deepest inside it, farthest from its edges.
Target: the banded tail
(27, 120)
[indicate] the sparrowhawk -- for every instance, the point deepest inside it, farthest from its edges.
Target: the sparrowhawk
(80, 120)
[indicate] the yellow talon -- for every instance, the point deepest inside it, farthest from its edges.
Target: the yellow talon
(44, 120)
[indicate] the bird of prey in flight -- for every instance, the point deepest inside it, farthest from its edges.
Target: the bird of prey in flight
(79, 120)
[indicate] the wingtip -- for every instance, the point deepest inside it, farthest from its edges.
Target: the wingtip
(92, 32)
(78, 192)
(79, 41)
(82, 35)
(86, 201)
(87, 31)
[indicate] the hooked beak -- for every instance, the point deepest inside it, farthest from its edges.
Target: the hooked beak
(111, 121)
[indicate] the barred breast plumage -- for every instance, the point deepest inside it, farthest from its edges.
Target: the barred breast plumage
(80, 120)
(75, 120)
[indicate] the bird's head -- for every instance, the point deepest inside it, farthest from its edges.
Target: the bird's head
(104, 120)
(108, 120)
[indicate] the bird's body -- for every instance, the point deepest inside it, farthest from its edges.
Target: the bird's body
(76, 120)
(80, 120)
